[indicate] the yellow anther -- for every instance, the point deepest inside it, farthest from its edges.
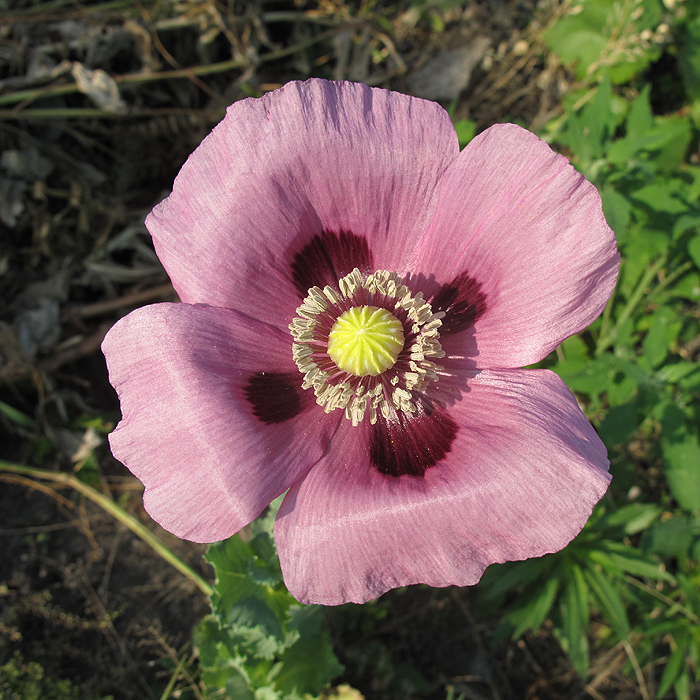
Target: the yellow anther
(366, 340)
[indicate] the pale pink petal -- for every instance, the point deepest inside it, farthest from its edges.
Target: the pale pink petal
(214, 421)
(519, 480)
(519, 221)
(311, 157)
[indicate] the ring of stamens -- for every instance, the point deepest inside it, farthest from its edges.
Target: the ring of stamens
(396, 389)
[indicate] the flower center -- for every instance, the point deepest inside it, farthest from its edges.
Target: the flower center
(367, 346)
(366, 341)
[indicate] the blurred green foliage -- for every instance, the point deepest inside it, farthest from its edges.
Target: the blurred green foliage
(636, 566)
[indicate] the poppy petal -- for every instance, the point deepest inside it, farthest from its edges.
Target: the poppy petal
(519, 480)
(310, 159)
(215, 423)
(529, 231)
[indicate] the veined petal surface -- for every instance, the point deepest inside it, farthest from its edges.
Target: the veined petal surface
(518, 219)
(214, 421)
(520, 480)
(308, 158)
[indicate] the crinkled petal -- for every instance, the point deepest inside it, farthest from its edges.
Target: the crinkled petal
(277, 171)
(215, 423)
(519, 480)
(529, 231)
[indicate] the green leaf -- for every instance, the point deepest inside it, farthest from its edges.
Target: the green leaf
(681, 452)
(16, 416)
(532, 607)
(221, 666)
(682, 686)
(630, 519)
(499, 579)
(575, 616)
(691, 590)
(617, 555)
(664, 330)
(231, 555)
(466, 129)
(689, 59)
(694, 249)
(617, 209)
(310, 663)
(593, 127)
(669, 538)
(608, 600)
(591, 32)
(619, 423)
(668, 140)
(672, 373)
(259, 643)
(640, 119)
(688, 287)
(662, 196)
(579, 37)
(593, 378)
(255, 628)
(673, 666)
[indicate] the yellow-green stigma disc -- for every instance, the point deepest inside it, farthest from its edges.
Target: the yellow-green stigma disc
(366, 340)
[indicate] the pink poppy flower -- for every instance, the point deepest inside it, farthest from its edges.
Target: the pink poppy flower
(357, 299)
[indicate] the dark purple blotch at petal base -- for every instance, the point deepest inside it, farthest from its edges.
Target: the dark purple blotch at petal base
(409, 444)
(462, 301)
(328, 257)
(275, 398)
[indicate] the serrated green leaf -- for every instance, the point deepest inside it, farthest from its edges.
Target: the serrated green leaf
(264, 568)
(230, 589)
(268, 693)
(309, 664)
(209, 638)
(231, 555)
(258, 636)
(231, 680)
(266, 522)
(254, 627)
